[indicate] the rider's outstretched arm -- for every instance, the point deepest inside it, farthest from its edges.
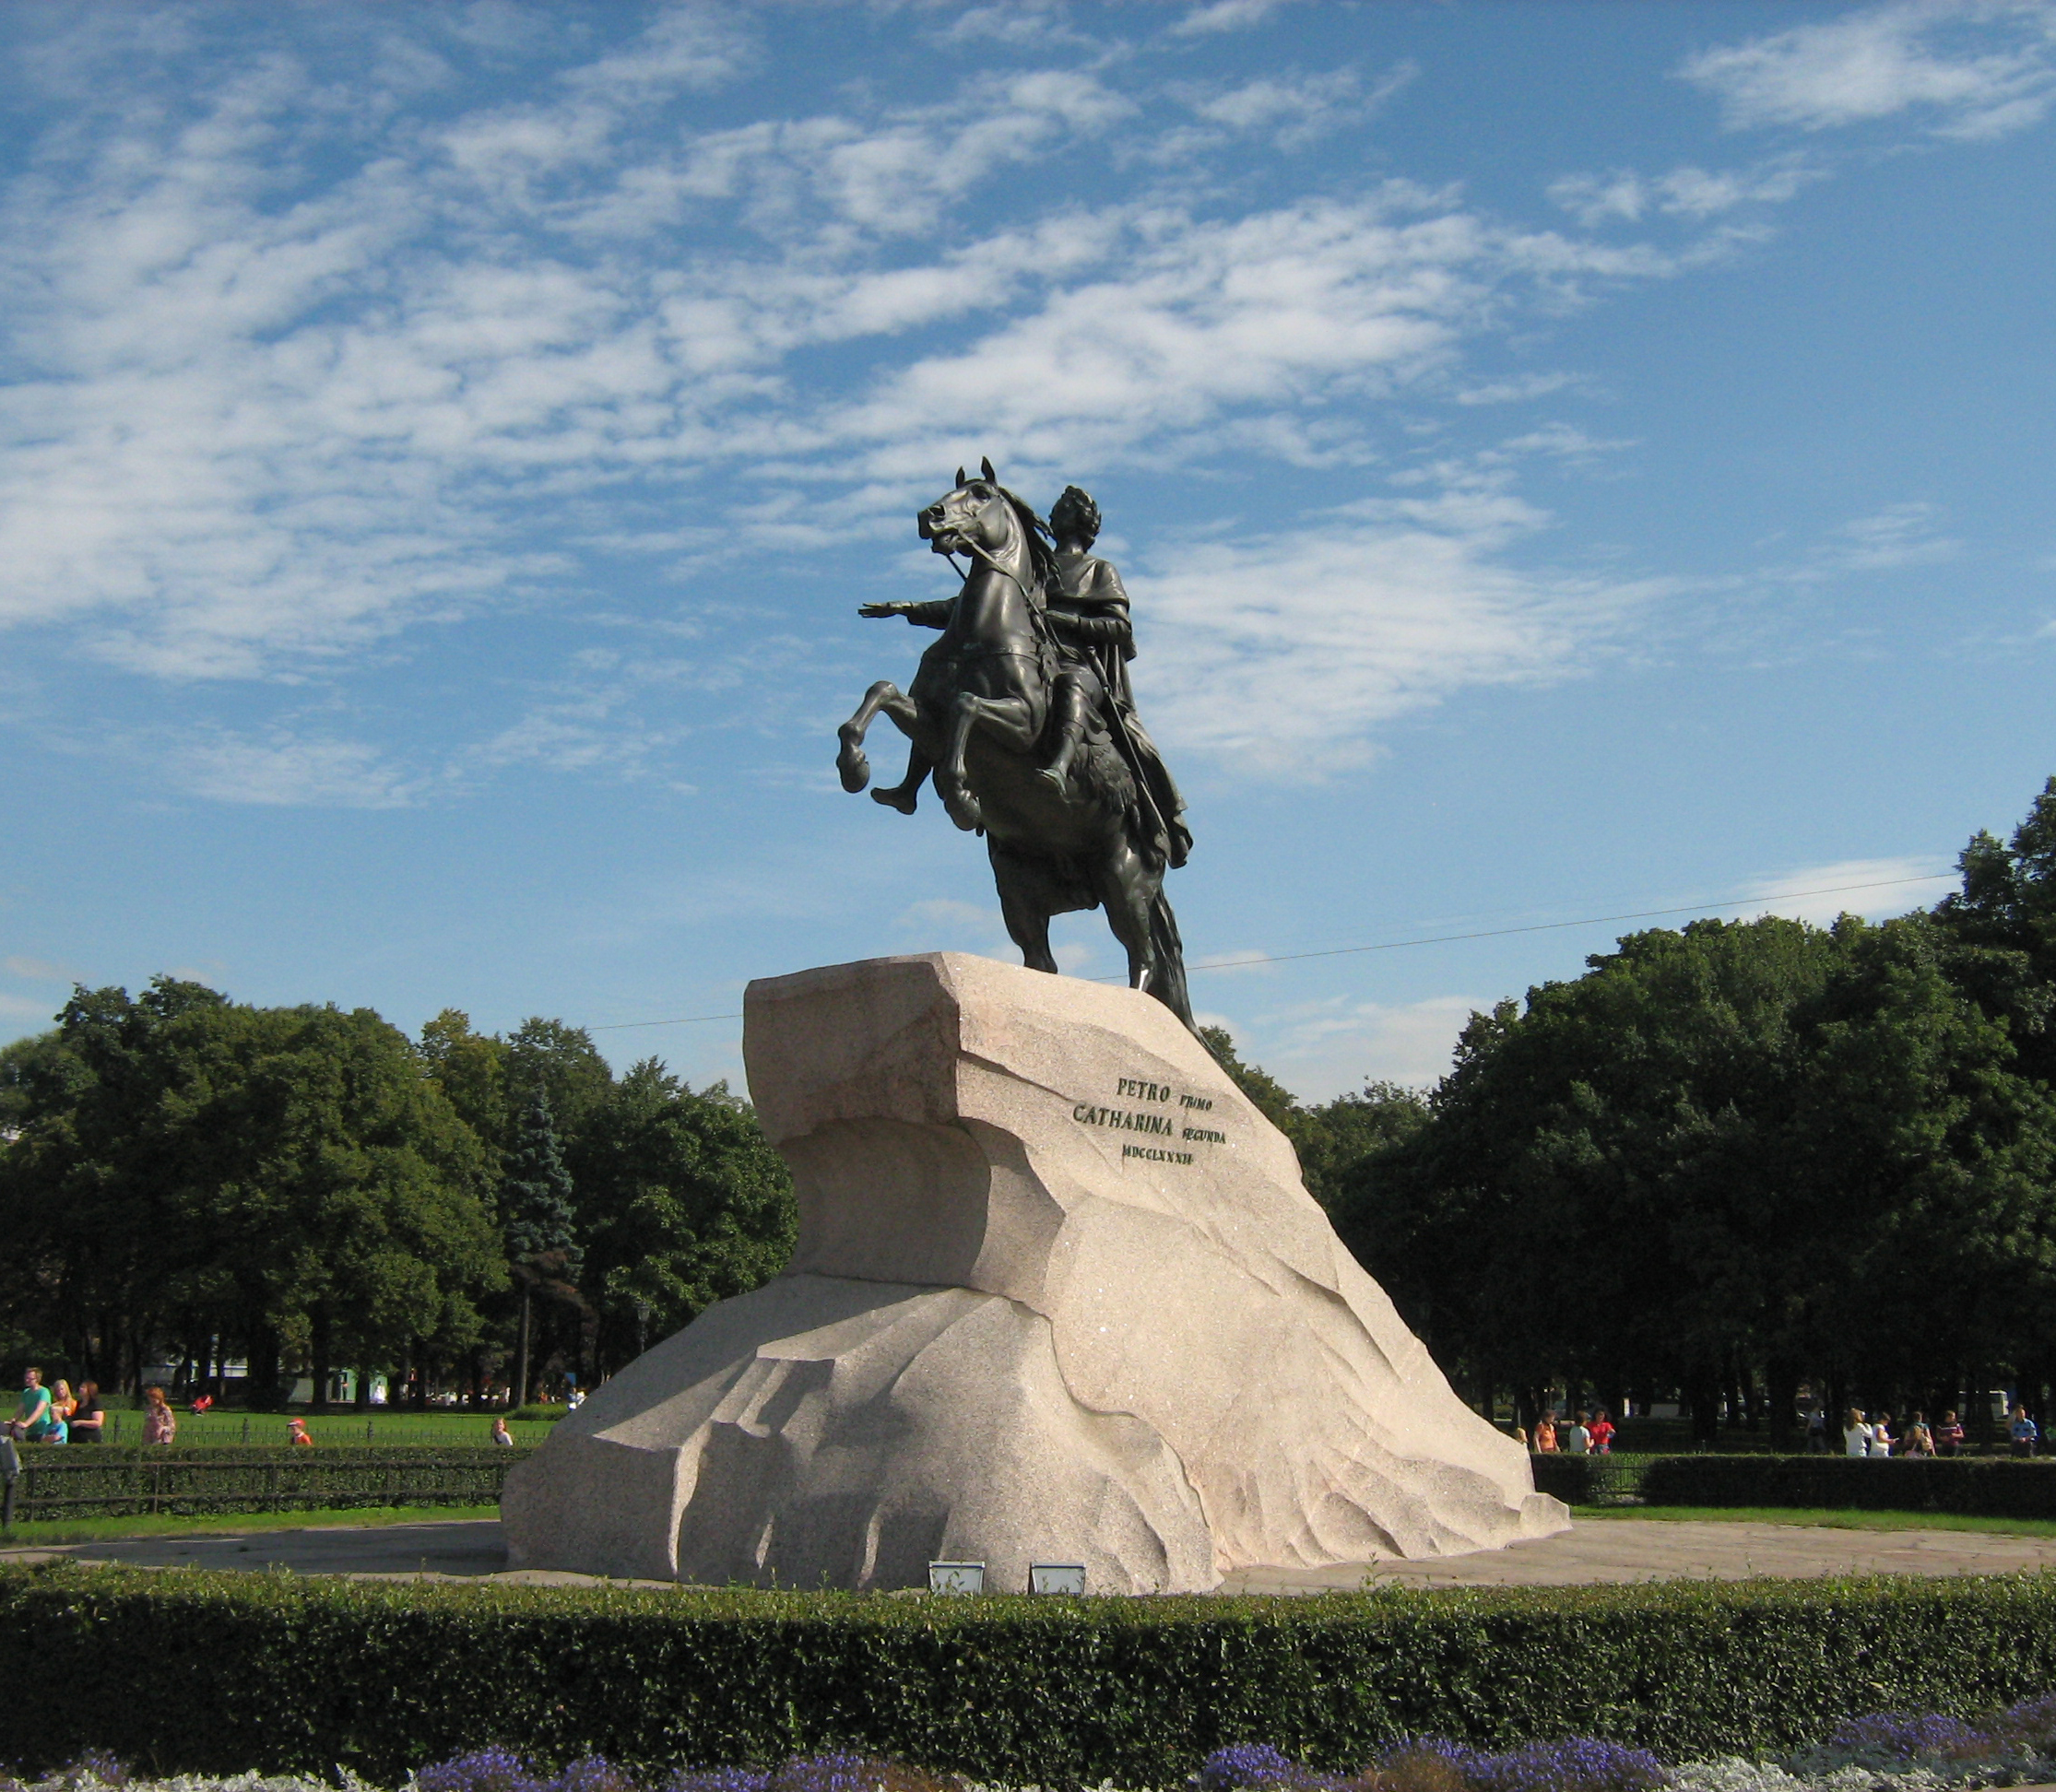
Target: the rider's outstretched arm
(923, 616)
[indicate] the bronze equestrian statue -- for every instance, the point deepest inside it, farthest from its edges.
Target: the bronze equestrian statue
(1023, 715)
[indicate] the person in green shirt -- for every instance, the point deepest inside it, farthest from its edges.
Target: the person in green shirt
(31, 1419)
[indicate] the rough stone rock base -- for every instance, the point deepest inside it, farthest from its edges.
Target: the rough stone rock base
(1060, 1295)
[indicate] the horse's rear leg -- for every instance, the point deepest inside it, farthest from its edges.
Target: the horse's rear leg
(1028, 926)
(1126, 887)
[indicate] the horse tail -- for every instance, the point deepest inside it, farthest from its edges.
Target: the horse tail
(1169, 951)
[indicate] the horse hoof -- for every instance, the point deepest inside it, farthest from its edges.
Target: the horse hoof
(902, 800)
(965, 812)
(856, 772)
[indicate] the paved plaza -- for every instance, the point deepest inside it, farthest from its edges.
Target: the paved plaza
(1596, 1550)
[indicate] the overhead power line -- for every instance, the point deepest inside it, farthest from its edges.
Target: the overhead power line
(1430, 940)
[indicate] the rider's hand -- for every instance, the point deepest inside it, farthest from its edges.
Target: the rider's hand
(883, 610)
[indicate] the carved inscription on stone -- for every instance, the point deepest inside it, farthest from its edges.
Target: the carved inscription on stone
(1158, 1109)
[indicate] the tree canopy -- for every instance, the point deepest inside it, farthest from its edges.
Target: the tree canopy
(308, 1189)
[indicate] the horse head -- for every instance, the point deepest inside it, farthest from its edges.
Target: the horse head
(980, 517)
(975, 515)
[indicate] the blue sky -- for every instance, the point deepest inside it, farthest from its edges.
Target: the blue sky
(1566, 459)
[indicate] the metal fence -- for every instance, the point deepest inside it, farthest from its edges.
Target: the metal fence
(112, 1482)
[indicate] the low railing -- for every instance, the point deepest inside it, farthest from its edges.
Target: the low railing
(111, 1482)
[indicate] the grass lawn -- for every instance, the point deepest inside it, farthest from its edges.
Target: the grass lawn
(1836, 1519)
(229, 1523)
(376, 1426)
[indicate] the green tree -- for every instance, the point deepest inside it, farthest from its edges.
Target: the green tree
(471, 1070)
(686, 1202)
(1587, 1197)
(561, 1061)
(1332, 1137)
(187, 1167)
(536, 1220)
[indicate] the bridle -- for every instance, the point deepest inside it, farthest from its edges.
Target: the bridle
(1036, 601)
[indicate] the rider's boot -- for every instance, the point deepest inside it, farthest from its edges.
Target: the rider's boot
(904, 795)
(1069, 707)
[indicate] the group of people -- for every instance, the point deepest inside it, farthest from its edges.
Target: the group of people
(1865, 1436)
(1583, 1434)
(56, 1415)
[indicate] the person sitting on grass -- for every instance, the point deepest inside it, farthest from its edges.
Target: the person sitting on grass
(160, 1424)
(296, 1431)
(31, 1419)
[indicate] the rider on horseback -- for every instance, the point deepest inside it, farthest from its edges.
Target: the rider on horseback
(1086, 608)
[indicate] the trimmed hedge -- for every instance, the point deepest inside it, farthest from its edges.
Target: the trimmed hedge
(1984, 1487)
(93, 1480)
(185, 1670)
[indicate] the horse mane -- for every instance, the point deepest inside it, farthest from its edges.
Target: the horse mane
(1041, 555)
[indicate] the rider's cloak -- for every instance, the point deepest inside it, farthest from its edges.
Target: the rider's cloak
(1088, 614)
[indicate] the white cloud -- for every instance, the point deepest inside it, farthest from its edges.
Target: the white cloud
(299, 371)
(34, 970)
(1979, 68)
(1623, 196)
(1516, 391)
(1224, 16)
(283, 770)
(1873, 887)
(1322, 1049)
(1292, 650)
(1286, 310)
(1293, 109)
(1899, 535)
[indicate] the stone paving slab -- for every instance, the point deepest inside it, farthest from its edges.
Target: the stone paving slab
(1598, 1550)
(1614, 1551)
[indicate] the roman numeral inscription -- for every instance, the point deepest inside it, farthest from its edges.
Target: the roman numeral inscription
(1179, 1124)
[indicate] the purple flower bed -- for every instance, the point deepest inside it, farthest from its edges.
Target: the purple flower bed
(1579, 1763)
(1902, 1735)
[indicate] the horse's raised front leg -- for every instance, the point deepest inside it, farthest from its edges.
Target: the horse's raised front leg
(904, 713)
(850, 762)
(1015, 720)
(885, 698)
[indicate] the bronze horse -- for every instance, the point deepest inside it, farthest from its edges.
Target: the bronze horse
(976, 714)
